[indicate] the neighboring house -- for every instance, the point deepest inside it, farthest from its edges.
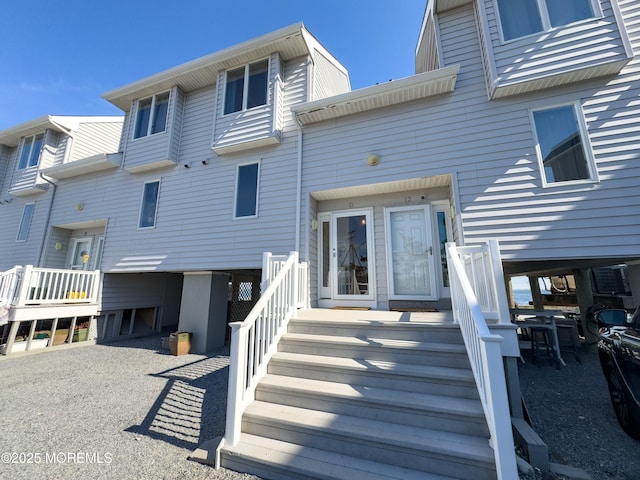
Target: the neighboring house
(34, 157)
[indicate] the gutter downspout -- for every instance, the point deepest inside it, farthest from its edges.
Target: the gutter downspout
(299, 189)
(47, 234)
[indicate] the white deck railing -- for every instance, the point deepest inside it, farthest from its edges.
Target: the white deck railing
(8, 282)
(475, 295)
(29, 285)
(255, 340)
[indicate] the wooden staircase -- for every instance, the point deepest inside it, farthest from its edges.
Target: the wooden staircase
(351, 398)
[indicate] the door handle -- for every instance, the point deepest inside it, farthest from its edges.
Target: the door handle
(429, 251)
(333, 252)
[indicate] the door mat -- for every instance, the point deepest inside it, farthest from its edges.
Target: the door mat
(428, 309)
(350, 308)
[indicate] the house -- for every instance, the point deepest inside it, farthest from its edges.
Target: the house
(519, 125)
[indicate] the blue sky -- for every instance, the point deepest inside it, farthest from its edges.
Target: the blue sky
(58, 58)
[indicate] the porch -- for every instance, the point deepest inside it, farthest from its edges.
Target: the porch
(45, 307)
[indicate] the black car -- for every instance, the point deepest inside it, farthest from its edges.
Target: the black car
(619, 351)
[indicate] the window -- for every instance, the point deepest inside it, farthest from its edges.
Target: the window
(152, 115)
(31, 151)
(519, 18)
(25, 223)
(149, 204)
(247, 190)
(563, 154)
(246, 87)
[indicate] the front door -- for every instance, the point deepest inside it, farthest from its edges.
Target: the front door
(79, 253)
(410, 254)
(345, 255)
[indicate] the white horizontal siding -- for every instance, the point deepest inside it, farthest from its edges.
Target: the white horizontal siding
(22, 253)
(157, 147)
(581, 45)
(328, 79)
(248, 125)
(93, 138)
(489, 145)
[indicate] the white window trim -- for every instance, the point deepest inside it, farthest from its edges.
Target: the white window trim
(235, 193)
(544, 17)
(245, 87)
(33, 140)
(155, 213)
(151, 116)
(22, 218)
(586, 145)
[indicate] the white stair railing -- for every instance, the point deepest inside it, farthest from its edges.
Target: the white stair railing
(474, 293)
(255, 340)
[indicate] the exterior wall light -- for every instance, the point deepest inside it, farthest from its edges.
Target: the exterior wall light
(373, 159)
(79, 206)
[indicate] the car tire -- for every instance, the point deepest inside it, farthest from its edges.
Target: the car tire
(627, 412)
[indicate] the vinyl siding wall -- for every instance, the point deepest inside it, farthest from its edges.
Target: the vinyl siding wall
(490, 146)
(93, 138)
(195, 229)
(585, 44)
(147, 150)
(328, 80)
(255, 123)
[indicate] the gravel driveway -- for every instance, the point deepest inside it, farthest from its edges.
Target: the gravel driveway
(127, 410)
(571, 410)
(122, 411)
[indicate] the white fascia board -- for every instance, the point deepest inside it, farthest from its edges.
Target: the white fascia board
(362, 100)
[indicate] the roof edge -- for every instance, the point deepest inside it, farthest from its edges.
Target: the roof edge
(229, 52)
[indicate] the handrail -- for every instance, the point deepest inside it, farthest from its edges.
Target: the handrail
(255, 340)
(8, 283)
(483, 347)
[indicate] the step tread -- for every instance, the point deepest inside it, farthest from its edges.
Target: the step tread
(322, 464)
(377, 342)
(471, 447)
(373, 366)
(470, 408)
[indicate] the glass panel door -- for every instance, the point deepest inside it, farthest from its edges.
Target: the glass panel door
(410, 254)
(79, 253)
(351, 251)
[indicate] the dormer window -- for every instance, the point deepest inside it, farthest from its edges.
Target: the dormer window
(31, 149)
(152, 115)
(246, 87)
(519, 18)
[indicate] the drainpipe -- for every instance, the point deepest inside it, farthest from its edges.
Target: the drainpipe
(299, 188)
(47, 234)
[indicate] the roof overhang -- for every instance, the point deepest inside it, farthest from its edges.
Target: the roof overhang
(290, 42)
(95, 163)
(420, 183)
(417, 87)
(11, 136)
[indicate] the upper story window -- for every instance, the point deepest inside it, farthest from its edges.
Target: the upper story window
(519, 18)
(563, 153)
(246, 87)
(149, 204)
(31, 149)
(25, 223)
(152, 115)
(247, 191)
